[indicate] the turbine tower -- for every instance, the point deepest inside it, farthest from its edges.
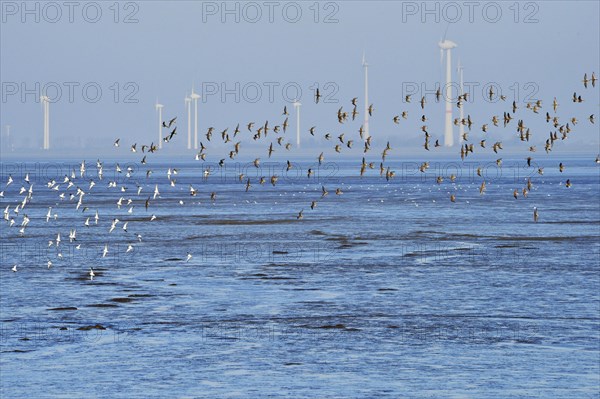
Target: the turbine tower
(195, 97)
(297, 106)
(461, 126)
(46, 109)
(366, 124)
(188, 104)
(159, 108)
(8, 142)
(448, 46)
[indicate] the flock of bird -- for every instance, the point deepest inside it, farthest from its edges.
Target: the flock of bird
(79, 185)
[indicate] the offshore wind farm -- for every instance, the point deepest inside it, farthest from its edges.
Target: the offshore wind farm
(345, 204)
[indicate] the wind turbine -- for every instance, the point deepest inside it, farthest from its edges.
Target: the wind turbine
(448, 46)
(45, 100)
(366, 124)
(461, 126)
(297, 106)
(195, 97)
(188, 103)
(159, 108)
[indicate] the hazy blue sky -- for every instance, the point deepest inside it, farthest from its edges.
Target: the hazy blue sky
(538, 48)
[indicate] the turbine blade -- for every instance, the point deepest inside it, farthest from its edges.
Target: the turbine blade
(446, 31)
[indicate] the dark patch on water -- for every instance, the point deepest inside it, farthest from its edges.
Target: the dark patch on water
(239, 222)
(331, 326)
(122, 300)
(17, 351)
(64, 308)
(94, 327)
(277, 278)
(337, 238)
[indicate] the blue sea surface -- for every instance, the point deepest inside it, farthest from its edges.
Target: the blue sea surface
(388, 290)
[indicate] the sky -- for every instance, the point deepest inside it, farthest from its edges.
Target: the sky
(106, 64)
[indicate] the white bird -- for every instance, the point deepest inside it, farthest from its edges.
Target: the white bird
(91, 274)
(49, 264)
(156, 193)
(125, 226)
(129, 248)
(14, 268)
(189, 256)
(113, 225)
(105, 250)
(10, 180)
